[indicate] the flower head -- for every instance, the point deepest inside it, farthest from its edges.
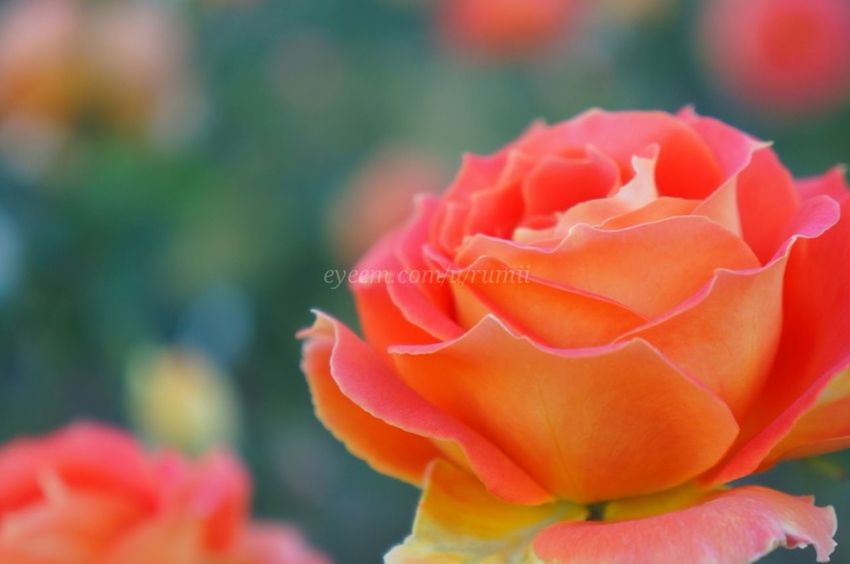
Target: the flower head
(624, 306)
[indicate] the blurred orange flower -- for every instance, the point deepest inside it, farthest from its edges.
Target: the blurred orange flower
(790, 56)
(125, 62)
(504, 28)
(90, 494)
(138, 55)
(629, 308)
(40, 72)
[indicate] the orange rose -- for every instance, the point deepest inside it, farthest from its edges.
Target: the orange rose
(90, 494)
(629, 309)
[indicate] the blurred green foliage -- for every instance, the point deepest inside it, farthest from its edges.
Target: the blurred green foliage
(119, 243)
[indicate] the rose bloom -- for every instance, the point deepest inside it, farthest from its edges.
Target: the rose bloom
(791, 56)
(90, 494)
(680, 321)
(379, 197)
(503, 28)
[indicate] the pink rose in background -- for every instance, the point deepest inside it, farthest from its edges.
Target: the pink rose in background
(792, 56)
(90, 494)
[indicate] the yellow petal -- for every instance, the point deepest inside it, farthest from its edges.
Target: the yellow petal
(458, 520)
(657, 504)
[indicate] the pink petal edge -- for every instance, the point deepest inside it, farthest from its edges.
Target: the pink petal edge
(739, 525)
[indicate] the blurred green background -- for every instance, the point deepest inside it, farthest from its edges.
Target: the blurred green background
(115, 245)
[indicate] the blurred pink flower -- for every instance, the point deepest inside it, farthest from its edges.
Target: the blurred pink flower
(791, 56)
(89, 493)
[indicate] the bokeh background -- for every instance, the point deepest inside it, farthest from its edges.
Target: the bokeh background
(177, 177)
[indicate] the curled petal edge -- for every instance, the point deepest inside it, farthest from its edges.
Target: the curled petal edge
(365, 379)
(737, 525)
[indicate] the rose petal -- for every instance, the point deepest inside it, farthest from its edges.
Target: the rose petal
(686, 166)
(169, 539)
(669, 260)
(66, 527)
(476, 173)
(497, 210)
(398, 299)
(371, 385)
(824, 428)
(409, 250)
(725, 336)
(767, 198)
(386, 448)
(383, 323)
(721, 206)
(557, 183)
(832, 184)
(416, 290)
(588, 425)
(634, 195)
(739, 525)
(76, 455)
(214, 492)
(662, 208)
(459, 521)
(815, 343)
(551, 315)
(450, 225)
